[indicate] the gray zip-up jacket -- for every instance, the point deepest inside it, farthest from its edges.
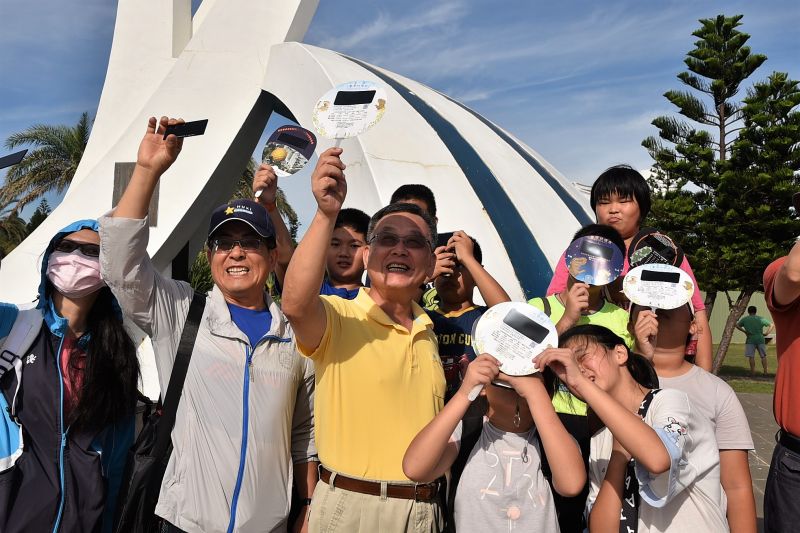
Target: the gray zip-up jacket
(246, 413)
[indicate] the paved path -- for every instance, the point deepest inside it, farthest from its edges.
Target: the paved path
(758, 408)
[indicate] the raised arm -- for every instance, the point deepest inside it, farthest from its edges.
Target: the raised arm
(300, 300)
(155, 156)
(266, 181)
(431, 453)
(490, 289)
(144, 294)
(786, 288)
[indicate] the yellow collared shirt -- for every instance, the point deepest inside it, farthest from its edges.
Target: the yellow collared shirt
(377, 386)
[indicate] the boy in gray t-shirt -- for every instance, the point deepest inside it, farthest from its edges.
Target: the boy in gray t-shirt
(661, 337)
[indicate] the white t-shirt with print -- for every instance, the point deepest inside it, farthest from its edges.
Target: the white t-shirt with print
(688, 497)
(502, 487)
(717, 401)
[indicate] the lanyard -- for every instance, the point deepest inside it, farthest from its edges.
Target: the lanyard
(629, 517)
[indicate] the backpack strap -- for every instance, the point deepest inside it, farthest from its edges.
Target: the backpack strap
(629, 513)
(23, 332)
(178, 375)
(546, 308)
(20, 326)
(20, 337)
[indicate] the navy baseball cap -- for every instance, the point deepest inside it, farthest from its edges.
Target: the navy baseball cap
(251, 213)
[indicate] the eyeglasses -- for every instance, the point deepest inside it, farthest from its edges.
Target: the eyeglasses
(390, 240)
(86, 248)
(225, 244)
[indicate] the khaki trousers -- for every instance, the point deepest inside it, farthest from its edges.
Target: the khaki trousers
(334, 509)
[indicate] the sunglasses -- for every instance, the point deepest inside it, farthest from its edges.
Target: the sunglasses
(86, 248)
(390, 240)
(225, 244)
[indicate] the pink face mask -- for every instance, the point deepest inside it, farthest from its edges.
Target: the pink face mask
(73, 274)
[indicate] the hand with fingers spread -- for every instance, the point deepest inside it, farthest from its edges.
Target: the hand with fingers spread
(482, 371)
(577, 302)
(157, 154)
(328, 182)
(563, 363)
(445, 262)
(266, 181)
(646, 331)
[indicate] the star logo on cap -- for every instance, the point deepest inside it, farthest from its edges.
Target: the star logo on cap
(229, 211)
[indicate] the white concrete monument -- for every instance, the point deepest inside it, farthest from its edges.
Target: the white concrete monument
(234, 64)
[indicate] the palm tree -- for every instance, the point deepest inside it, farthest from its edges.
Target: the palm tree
(51, 165)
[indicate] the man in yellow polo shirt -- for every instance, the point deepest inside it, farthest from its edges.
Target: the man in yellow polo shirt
(379, 379)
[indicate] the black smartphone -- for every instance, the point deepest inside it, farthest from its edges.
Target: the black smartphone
(536, 332)
(187, 129)
(12, 159)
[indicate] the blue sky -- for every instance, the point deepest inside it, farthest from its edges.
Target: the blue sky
(578, 81)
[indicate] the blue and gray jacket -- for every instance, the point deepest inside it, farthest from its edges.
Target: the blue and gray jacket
(52, 478)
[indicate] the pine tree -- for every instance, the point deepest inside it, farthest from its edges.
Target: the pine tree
(754, 197)
(687, 153)
(42, 212)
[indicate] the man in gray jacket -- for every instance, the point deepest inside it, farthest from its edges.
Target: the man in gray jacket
(244, 425)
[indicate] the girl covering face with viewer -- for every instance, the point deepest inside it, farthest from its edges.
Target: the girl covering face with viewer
(674, 452)
(502, 485)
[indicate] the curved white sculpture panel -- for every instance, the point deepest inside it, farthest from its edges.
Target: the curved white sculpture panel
(486, 182)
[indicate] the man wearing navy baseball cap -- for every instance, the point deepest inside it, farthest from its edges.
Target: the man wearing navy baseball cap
(245, 420)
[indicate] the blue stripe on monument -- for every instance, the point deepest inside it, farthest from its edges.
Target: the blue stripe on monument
(529, 262)
(572, 204)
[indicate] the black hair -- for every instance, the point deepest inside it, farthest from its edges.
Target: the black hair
(476, 251)
(110, 369)
(403, 208)
(626, 182)
(752, 309)
(415, 191)
(640, 368)
(355, 219)
(601, 230)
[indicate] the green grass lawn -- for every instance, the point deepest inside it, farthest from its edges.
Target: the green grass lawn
(736, 370)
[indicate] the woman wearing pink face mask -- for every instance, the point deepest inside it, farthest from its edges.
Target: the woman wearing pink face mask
(67, 395)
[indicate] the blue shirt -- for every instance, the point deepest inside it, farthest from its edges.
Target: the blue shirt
(254, 324)
(330, 290)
